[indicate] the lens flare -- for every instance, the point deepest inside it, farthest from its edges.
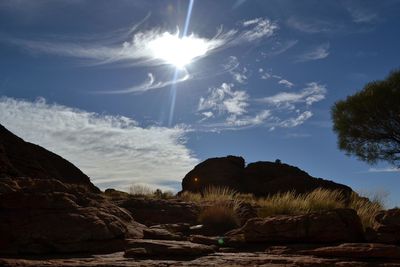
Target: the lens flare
(178, 51)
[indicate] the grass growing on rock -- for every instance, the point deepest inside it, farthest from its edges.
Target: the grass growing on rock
(222, 203)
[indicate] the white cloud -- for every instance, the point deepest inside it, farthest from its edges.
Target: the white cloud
(113, 150)
(318, 52)
(232, 66)
(388, 169)
(259, 27)
(314, 92)
(149, 84)
(225, 99)
(149, 47)
(245, 121)
(296, 121)
(286, 83)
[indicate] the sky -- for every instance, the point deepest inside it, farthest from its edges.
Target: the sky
(139, 92)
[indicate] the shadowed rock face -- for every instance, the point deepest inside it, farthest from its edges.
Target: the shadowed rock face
(47, 205)
(260, 178)
(22, 159)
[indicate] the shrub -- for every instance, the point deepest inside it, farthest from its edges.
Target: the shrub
(141, 190)
(220, 217)
(190, 197)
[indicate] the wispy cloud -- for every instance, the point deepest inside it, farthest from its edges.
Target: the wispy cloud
(138, 47)
(232, 66)
(314, 92)
(227, 109)
(311, 26)
(286, 83)
(318, 52)
(293, 122)
(149, 84)
(150, 47)
(257, 28)
(224, 99)
(388, 169)
(114, 151)
(361, 14)
(280, 48)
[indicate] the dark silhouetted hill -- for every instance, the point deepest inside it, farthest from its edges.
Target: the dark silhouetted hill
(259, 178)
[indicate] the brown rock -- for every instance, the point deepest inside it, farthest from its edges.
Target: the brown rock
(34, 220)
(47, 205)
(162, 234)
(179, 228)
(150, 211)
(22, 159)
(341, 225)
(387, 227)
(357, 250)
(259, 178)
(166, 248)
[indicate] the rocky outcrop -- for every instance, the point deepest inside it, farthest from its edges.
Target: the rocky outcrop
(341, 225)
(386, 228)
(152, 211)
(47, 205)
(259, 178)
(23, 159)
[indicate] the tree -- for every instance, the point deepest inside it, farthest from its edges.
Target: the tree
(368, 122)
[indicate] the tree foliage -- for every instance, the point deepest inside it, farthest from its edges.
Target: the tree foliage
(368, 122)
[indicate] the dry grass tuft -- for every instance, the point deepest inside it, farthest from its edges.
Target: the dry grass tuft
(220, 217)
(366, 209)
(141, 190)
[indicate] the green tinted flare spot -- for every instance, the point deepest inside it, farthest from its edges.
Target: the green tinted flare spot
(220, 241)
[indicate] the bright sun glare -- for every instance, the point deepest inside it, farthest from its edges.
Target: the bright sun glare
(177, 51)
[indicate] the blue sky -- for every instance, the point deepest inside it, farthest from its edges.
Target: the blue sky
(141, 91)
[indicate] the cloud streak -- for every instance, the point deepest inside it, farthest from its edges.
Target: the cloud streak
(318, 52)
(114, 151)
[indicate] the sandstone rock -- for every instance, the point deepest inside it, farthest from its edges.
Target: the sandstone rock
(179, 228)
(387, 227)
(162, 234)
(259, 178)
(160, 211)
(22, 159)
(341, 225)
(166, 248)
(357, 250)
(35, 220)
(47, 205)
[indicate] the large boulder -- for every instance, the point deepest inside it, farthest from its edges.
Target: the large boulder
(227, 171)
(260, 178)
(340, 225)
(47, 205)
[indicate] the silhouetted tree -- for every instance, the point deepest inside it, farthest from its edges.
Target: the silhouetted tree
(278, 161)
(368, 122)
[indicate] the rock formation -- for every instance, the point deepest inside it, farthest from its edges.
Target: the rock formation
(47, 205)
(260, 178)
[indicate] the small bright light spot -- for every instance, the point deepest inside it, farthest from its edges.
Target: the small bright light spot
(220, 241)
(196, 179)
(178, 51)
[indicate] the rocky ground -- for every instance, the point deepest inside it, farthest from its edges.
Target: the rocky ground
(52, 215)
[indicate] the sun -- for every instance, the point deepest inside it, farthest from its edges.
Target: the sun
(177, 51)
